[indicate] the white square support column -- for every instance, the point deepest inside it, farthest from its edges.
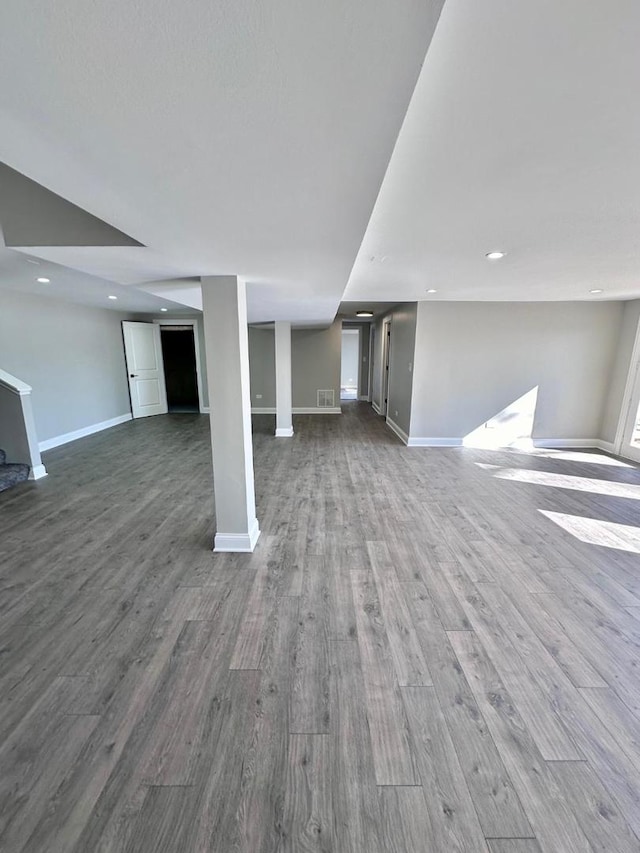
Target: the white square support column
(284, 420)
(224, 303)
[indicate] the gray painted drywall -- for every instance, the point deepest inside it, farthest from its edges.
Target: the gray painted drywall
(315, 362)
(34, 216)
(403, 341)
(72, 356)
(403, 337)
(350, 358)
(376, 378)
(365, 330)
(315, 359)
(620, 370)
(473, 359)
(262, 366)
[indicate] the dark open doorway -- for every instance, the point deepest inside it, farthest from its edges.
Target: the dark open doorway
(179, 356)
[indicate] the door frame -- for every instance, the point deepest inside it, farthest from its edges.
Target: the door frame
(386, 366)
(352, 328)
(164, 321)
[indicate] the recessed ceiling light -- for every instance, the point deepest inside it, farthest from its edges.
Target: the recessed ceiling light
(164, 309)
(112, 297)
(596, 290)
(494, 256)
(43, 280)
(432, 290)
(364, 313)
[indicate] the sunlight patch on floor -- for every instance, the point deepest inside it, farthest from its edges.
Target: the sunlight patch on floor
(564, 481)
(594, 531)
(578, 456)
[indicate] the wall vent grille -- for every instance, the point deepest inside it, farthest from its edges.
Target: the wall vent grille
(326, 398)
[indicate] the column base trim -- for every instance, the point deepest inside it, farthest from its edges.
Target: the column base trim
(237, 542)
(284, 432)
(37, 472)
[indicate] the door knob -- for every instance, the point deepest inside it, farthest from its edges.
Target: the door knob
(133, 375)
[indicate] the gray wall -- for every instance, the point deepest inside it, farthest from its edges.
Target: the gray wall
(365, 330)
(376, 355)
(473, 359)
(315, 357)
(262, 367)
(403, 339)
(620, 371)
(72, 356)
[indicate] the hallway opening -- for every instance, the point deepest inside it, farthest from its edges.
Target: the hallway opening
(350, 364)
(179, 358)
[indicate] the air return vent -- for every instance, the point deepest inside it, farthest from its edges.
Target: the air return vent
(326, 399)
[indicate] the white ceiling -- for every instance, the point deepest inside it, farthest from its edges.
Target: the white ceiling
(252, 138)
(349, 310)
(18, 272)
(243, 138)
(523, 135)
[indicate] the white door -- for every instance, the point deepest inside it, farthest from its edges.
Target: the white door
(143, 352)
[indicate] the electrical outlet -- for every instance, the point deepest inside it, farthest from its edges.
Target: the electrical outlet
(396, 413)
(258, 396)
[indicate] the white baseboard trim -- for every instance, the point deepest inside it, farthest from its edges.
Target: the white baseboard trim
(49, 443)
(363, 398)
(376, 408)
(204, 410)
(298, 410)
(314, 410)
(237, 543)
(37, 472)
(284, 432)
(607, 446)
(398, 431)
(550, 443)
(566, 443)
(415, 441)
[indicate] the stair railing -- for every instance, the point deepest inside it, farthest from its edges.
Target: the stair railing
(18, 436)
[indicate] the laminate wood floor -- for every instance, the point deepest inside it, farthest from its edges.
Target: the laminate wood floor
(430, 649)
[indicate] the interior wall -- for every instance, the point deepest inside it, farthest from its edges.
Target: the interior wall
(474, 359)
(262, 367)
(72, 357)
(315, 364)
(315, 357)
(620, 370)
(403, 341)
(365, 331)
